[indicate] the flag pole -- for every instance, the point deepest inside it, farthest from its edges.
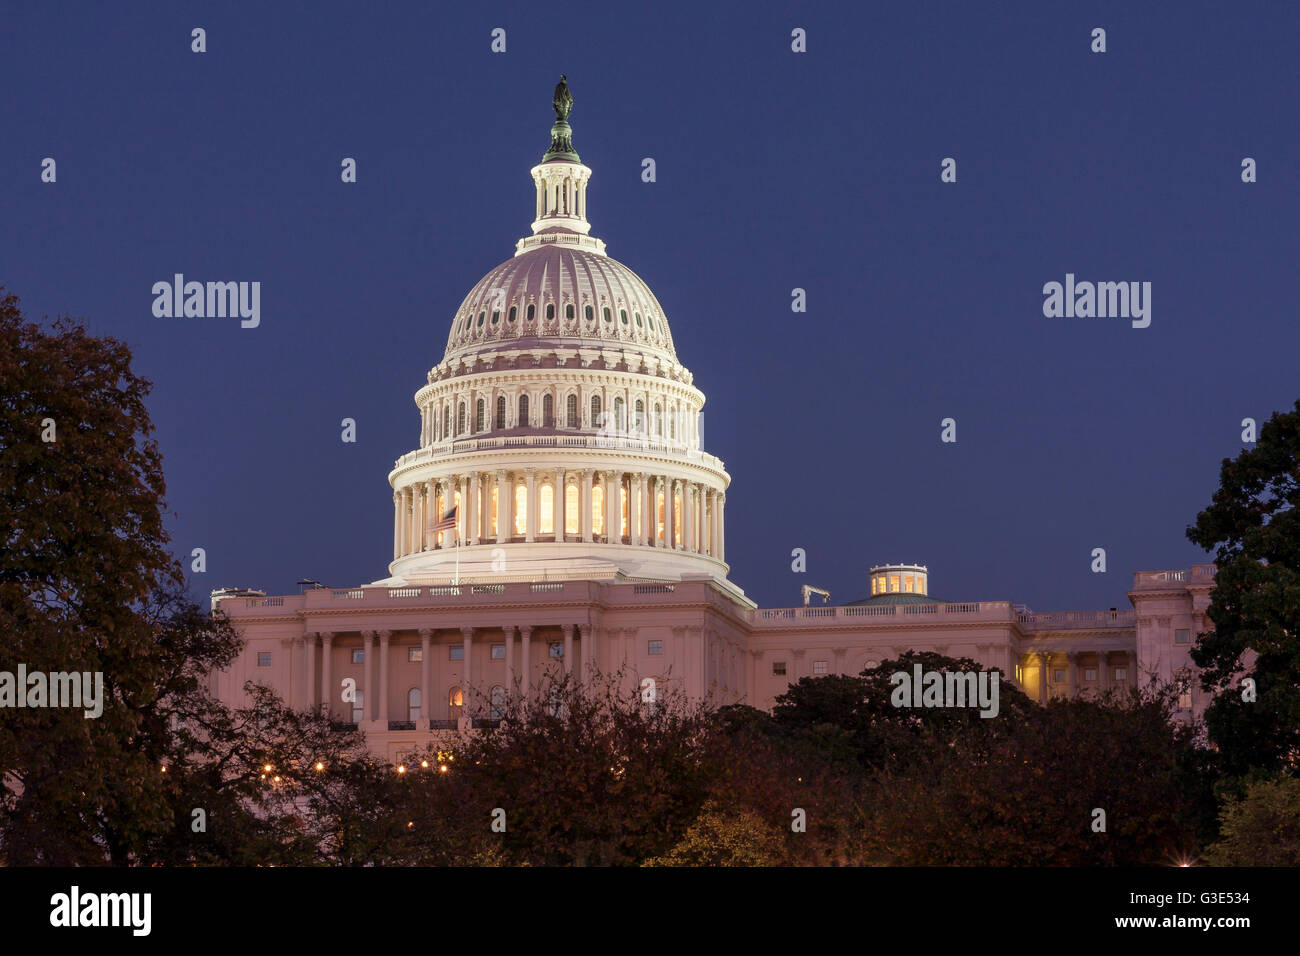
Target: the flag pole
(457, 582)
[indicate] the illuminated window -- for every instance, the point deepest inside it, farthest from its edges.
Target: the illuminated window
(622, 506)
(893, 583)
(1182, 636)
(778, 668)
(654, 647)
(597, 510)
(492, 518)
(498, 652)
(820, 667)
(907, 584)
(521, 509)
(547, 512)
(359, 707)
(456, 652)
(677, 520)
(659, 535)
(455, 703)
(414, 655)
(873, 586)
(499, 694)
(523, 411)
(413, 704)
(358, 655)
(571, 510)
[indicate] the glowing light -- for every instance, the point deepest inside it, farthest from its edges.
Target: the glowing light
(164, 769)
(401, 768)
(267, 768)
(276, 778)
(424, 764)
(319, 765)
(443, 768)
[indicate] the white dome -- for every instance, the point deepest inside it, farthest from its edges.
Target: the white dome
(556, 296)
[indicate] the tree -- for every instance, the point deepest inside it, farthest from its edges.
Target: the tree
(1262, 828)
(1253, 525)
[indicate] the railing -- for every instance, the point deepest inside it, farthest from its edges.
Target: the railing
(998, 610)
(265, 602)
(443, 725)
(355, 595)
(547, 586)
(1195, 572)
(1077, 619)
(401, 725)
(652, 589)
(487, 589)
(462, 446)
(405, 592)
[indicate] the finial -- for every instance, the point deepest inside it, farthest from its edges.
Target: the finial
(561, 134)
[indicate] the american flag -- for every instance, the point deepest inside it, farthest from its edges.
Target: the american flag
(448, 521)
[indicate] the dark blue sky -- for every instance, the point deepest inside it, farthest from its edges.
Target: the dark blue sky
(775, 171)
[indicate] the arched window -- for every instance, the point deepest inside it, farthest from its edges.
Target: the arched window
(571, 411)
(413, 704)
(550, 311)
(597, 510)
(546, 510)
(479, 423)
(501, 411)
(589, 314)
(446, 421)
(571, 515)
(619, 423)
(658, 423)
(595, 411)
(568, 311)
(514, 311)
(498, 702)
(532, 311)
(523, 411)
(639, 421)
(606, 314)
(672, 424)
(521, 509)
(455, 703)
(460, 419)
(622, 314)
(548, 411)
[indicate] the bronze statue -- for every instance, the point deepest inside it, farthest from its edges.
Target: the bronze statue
(563, 99)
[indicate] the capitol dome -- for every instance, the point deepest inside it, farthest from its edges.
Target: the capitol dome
(560, 436)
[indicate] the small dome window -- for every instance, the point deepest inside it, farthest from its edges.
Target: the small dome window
(513, 312)
(568, 311)
(481, 317)
(651, 320)
(622, 314)
(531, 311)
(607, 315)
(638, 320)
(590, 314)
(550, 311)
(496, 316)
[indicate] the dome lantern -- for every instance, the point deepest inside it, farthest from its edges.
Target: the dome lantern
(561, 182)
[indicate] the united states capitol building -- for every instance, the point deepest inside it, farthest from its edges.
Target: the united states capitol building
(560, 510)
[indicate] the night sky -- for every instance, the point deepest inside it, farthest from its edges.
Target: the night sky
(776, 170)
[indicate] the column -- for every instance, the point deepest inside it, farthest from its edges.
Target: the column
(590, 654)
(533, 523)
(467, 637)
(713, 523)
(525, 658)
(326, 681)
(444, 486)
(1073, 657)
(613, 514)
(587, 475)
(560, 516)
(675, 487)
(397, 526)
(383, 679)
(722, 527)
(688, 514)
(568, 648)
(505, 508)
(633, 503)
(656, 489)
(1043, 664)
(1103, 672)
(643, 508)
(475, 521)
(510, 658)
(431, 516)
(426, 679)
(311, 671)
(368, 692)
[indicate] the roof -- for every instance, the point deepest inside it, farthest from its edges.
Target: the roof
(896, 598)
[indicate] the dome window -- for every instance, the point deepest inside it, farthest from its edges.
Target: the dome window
(571, 406)
(568, 311)
(481, 317)
(590, 314)
(550, 312)
(512, 315)
(496, 316)
(638, 320)
(531, 312)
(607, 315)
(622, 314)
(651, 319)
